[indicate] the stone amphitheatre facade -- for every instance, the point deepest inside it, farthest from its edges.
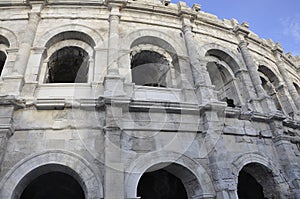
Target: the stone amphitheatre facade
(140, 98)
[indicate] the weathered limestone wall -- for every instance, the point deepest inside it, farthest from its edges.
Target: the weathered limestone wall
(232, 100)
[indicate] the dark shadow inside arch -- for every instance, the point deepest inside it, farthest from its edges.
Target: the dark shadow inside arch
(149, 69)
(257, 181)
(2, 61)
(161, 184)
(168, 181)
(248, 187)
(297, 88)
(154, 67)
(68, 65)
(50, 181)
(53, 185)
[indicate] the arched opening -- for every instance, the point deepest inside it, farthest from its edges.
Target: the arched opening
(248, 187)
(221, 69)
(53, 185)
(50, 181)
(161, 184)
(297, 88)
(68, 65)
(154, 62)
(2, 61)
(270, 83)
(168, 181)
(149, 68)
(271, 91)
(256, 181)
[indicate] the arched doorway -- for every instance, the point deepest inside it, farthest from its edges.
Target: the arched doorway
(256, 181)
(161, 184)
(53, 185)
(168, 181)
(50, 181)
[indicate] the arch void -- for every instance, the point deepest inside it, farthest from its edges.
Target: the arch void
(4, 40)
(152, 68)
(149, 68)
(161, 184)
(2, 61)
(68, 65)
(297, 88)
(50, 181)
(53, 185)
(221, 68)
(257, 181)
(270, 83)
(168, 181)
(221, 55)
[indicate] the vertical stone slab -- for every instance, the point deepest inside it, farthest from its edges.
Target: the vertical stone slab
(7, 107)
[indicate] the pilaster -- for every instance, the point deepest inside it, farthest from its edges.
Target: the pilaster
(203, 87)
(223, 179)
(113, 83)
(287, 159)
(114, 169)
(265, 101)
(16, 78)
(295, 103)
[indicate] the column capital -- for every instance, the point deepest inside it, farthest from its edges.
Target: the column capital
(116, 4)
(242, 31)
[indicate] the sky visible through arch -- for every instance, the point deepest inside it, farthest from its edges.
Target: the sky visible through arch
(275, 19)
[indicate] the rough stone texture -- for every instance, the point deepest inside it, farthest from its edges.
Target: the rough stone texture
(229, 100)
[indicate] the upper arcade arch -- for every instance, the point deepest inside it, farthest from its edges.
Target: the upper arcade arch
(4, 45)
(171, 161)
(70, 31)
(68, 58)
(57, 160)
(222, 68)
(164, 61)
(8, 38)
(231, 58)
(154, 37)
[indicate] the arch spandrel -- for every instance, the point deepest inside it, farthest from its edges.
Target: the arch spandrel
(136, 169)
(93, 185)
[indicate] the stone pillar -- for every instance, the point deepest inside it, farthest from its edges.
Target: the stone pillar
(114, 85)
(203, 87)
(222, 175)
(288, 159)
(266, 102)
(25, 47)
(114, 169)
(282, 69)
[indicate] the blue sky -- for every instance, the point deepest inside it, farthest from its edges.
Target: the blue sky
(275, 19)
